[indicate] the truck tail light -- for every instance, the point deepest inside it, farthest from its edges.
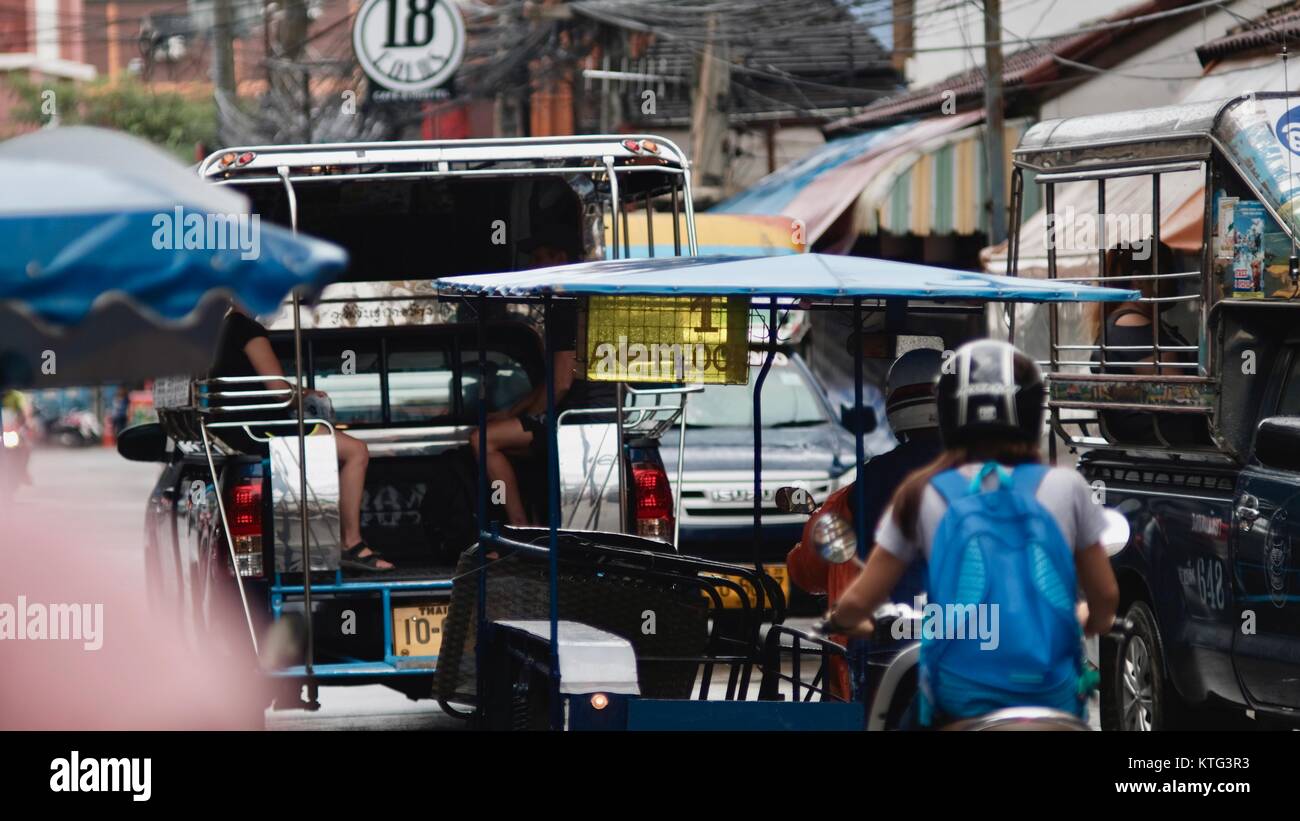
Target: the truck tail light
(245, 512)
(653, 501)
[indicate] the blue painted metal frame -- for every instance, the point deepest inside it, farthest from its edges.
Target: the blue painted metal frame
(389, 666)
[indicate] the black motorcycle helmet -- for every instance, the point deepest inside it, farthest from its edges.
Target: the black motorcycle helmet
(986, 390)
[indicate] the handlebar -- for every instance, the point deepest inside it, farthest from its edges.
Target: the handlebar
(1120, 629)
(884, 618)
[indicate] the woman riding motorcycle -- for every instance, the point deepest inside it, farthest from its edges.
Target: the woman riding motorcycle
(1006, 538)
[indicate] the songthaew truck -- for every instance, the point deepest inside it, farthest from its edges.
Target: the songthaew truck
(1183, 408)
(407, 373)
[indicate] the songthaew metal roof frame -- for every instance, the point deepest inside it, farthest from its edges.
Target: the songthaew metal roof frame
(1149, 140)
(423, 158)
(1146, 136)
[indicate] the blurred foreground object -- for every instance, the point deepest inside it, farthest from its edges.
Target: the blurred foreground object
(122, 666)
(105, 232)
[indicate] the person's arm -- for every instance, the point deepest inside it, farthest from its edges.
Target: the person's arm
(264, 361)
(1100, 590)
(869, 590)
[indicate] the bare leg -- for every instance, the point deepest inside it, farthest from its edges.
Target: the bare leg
(354, 457)
(502, 435)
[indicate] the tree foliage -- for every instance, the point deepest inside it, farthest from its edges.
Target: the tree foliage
(167, 118)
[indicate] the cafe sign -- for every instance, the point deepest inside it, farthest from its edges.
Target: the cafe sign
(690, 339)
(410, 47)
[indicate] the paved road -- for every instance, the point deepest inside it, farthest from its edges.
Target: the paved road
(96, 485)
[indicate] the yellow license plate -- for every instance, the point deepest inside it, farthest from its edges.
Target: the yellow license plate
(417, 629)
(731, 599)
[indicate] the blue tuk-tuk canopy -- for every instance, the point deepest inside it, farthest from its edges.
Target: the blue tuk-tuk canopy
(803, 275)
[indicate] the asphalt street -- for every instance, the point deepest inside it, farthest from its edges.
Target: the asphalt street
(96, 485)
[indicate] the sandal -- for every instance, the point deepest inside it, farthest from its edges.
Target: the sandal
(353, 560)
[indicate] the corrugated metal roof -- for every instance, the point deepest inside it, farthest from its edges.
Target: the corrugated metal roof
(1264, 31)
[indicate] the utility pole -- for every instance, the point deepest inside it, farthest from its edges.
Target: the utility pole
(993, 139)
(223, 49)
(709, 123)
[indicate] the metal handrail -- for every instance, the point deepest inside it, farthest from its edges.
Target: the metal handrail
(204, 394)
(1129, 277)
(270, 423)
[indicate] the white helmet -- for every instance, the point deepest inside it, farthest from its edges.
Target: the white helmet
(909, 391)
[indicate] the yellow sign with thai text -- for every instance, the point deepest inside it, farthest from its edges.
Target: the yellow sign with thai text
(698, 340)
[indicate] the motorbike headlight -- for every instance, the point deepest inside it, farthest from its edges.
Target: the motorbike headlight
(11, 438)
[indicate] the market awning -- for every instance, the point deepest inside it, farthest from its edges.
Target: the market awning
(774, 193)
(1181, 219)
(818, 191)
(936, 187)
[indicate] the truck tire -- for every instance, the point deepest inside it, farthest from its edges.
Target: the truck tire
(1136, 695)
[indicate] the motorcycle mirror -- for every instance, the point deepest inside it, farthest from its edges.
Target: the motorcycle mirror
(1114, 537)
(834, 540)
(143, 443)
(794, 500)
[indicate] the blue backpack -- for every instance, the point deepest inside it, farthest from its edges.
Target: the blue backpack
(1000, 566)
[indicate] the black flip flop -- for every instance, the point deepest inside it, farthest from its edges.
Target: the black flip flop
(351, 559)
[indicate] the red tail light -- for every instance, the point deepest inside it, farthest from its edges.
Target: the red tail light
(654, 501)
(245, 514)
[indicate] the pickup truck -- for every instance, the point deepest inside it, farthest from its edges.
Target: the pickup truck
(1195, 437)
(402, 369)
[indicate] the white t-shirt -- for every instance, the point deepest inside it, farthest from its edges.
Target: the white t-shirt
(1063, 492)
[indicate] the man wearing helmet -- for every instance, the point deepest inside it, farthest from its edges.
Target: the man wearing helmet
(913, 418)
(1047, 541)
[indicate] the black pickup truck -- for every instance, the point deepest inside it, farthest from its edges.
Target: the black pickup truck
(1209, 578)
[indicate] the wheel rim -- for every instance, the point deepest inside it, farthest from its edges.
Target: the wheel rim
(1137, 696)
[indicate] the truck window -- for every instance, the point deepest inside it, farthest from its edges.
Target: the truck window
(788, 401)
(349, 372)
(507, 382)
(419, 384)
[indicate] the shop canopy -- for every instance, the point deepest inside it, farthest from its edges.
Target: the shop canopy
(821, 188)
(936, 188)
(804, 275)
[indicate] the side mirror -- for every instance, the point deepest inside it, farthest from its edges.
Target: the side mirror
(143, 443)
(834, 539)
(858, 422)
(1277, 442)
(1116, 534)
(794, 500)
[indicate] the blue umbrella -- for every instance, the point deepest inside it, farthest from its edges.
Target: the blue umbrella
(119, 262)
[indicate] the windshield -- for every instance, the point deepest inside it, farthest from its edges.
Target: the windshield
(788, 401)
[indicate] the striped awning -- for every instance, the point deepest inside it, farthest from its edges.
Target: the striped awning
(819, 190)
(937, 187)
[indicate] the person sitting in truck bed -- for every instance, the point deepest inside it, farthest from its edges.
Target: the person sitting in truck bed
(1129, 325)
(522, 427)
(245, 350)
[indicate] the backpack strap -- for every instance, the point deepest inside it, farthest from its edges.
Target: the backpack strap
(1026, 478)
(951, 485)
